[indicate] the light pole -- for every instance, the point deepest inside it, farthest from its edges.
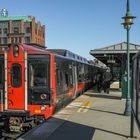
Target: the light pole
(128, 21)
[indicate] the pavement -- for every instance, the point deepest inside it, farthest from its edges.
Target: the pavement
(92, 116)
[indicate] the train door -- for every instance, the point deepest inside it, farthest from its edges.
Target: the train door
(15, 79)
(15, 94)
(75, 80)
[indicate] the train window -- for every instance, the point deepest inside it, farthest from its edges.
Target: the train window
(38, 74)
(1, 73)
(67, 79)
(16, 77)
(58, 76)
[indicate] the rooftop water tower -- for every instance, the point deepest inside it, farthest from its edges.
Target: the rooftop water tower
(3, 13)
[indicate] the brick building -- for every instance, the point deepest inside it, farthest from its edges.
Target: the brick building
(21, 29)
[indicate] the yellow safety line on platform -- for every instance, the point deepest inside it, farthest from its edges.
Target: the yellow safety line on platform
(85, 106)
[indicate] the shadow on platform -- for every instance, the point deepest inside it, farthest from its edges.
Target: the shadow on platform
(94, 90)
(114, 133)
(92, 109)
(106, 111)
(73, 131)
(100, 95)
(66, 130)
(58, 129)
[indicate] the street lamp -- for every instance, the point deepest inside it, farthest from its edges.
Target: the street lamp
(128, 21)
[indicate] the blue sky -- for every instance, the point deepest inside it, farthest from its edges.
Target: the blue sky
(79, 25)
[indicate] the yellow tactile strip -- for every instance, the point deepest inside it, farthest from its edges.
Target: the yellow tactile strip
(78, 105)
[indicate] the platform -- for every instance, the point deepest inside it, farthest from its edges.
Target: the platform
(92, 116)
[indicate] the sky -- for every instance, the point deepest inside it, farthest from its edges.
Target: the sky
(79, 25)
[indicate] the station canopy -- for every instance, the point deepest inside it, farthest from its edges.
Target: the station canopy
(115, 57)
(115, 53)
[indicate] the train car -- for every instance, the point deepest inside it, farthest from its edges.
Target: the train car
(34, 82)
(136, 91)
(83, 72)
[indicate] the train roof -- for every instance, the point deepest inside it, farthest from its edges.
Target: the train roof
(31, 49)
(62, 52)
(68, 54)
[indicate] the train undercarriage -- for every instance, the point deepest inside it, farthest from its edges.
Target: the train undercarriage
(14, 126)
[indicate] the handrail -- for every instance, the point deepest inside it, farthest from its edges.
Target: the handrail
(2, 103)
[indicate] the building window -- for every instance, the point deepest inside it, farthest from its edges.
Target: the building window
(0, 40)
(36, 29)
(5, 30)
(16, 39)
(20, 40)
(16, 30)
(27, 40)
(43, 34)
(4, 40)
(12, 40)
(39, 33)
(0, 31)
(28, 30)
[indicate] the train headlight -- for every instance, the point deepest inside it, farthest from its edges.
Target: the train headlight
(43, 107)
(43, 96)
(16, 51)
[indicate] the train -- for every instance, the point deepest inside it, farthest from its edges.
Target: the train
(135, 90)
(36, 82)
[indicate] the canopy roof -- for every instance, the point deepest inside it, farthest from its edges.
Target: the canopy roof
(117, 48)
(115, 52)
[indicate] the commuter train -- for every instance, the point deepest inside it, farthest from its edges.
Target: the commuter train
(136, 90)
(34, 82)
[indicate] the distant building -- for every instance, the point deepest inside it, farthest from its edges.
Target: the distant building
(20, 29)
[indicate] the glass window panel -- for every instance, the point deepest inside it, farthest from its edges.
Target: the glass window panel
(16, 76)
(38, 74)
(4, 40)
(16, 30)
(5, 30)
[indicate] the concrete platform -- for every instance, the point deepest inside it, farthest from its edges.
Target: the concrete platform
(92, 116)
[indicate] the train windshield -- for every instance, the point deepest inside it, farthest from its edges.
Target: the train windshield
(39, 73)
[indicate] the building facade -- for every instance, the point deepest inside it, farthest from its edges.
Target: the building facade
(21, 29)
